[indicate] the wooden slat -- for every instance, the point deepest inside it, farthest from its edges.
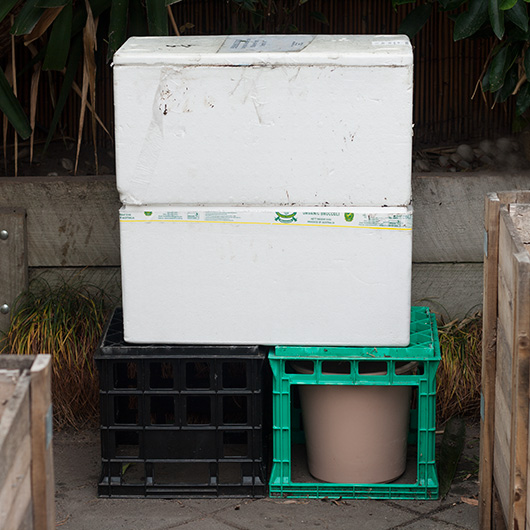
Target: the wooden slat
(451, 290)
(522, 381)
(106, 278)
(42, 473)
(449, 214)
(502, 453)
(8, 382)
(489, 336)
(13, 259)
(501, 469)
(506, 382)
(74, 221)
(15, 451)
(505, 318)
(507, 249)
(16, 493)
(70, 221)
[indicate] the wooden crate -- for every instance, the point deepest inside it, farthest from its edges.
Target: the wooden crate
(504, 473)
(26, 463)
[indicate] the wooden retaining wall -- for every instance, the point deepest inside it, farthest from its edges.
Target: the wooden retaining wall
(69, 227)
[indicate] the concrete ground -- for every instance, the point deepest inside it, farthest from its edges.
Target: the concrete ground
(77, 468)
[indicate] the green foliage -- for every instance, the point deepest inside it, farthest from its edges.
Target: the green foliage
(458, 376)
(62, 27)
(274, 16)
(66, 321)
(10, 106)
(506, 71)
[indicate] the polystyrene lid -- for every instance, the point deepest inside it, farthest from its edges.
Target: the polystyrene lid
(248, 50)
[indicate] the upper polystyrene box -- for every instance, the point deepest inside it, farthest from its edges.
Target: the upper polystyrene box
(264, 120)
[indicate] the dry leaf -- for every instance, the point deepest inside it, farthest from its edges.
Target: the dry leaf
(470, 501)
(77, 90)
(33, 99)
(14, 72)
(89, 81)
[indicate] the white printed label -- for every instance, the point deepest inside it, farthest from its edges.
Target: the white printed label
(265, 44)
(389, 42)
(295, 217)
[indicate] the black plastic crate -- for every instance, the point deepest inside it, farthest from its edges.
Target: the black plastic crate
(181, 421)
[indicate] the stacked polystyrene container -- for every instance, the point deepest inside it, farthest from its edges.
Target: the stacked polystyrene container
(266, 189)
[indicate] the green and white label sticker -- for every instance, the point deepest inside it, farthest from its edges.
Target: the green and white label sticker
(295, 217)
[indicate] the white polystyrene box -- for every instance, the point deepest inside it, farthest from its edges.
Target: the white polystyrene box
(303, 276)
(235, 120)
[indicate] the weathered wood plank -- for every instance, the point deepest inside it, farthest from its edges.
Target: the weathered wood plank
(15, 496)
(506, 339)
(501, 470)
(505, 320)
(74, 221)
(449, 213)
(42, 473)
(13, 260)
(8, 382)
(15, 450)
(520, 214)
(507, 248)
(71, 221)
(504, 369)
(14, 424)
(522, 381)
(487, 506)
(106, 278)
(451, 290)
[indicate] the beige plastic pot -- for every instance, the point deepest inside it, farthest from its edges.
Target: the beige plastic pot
(356, 434)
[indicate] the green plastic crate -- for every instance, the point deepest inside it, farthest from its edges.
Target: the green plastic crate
(423, 349)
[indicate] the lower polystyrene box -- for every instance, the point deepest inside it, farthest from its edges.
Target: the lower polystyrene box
(304, 276)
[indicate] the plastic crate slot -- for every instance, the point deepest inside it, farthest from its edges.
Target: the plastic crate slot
(161, 375)
(230, 473)
(127, 444)
(126, 410)
(235, 444)
(162, 410)
(234, 375)
(420, 368)
(336, 367)
(198, 375)
(198, 410)
(132, 473)
(235, 410)
(125, 375)
(374, 368)
(184, 473)
(300, 367)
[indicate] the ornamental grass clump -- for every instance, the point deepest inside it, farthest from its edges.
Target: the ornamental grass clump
(66, 321)
(459, 373)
